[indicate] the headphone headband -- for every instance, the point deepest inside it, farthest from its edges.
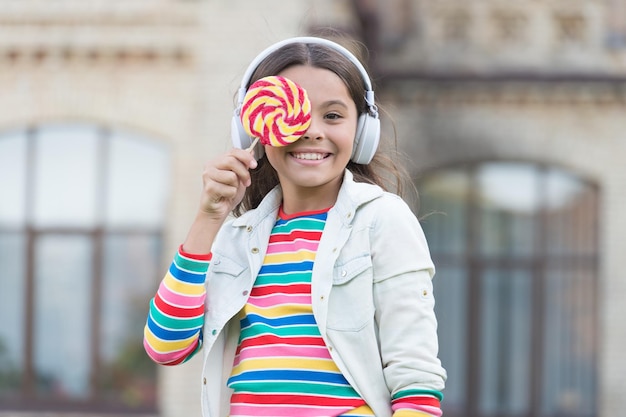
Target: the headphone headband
(369, 93)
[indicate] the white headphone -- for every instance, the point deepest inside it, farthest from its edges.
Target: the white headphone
(368, 125)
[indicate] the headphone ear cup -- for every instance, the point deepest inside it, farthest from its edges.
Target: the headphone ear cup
(240, 138)
(366, 139)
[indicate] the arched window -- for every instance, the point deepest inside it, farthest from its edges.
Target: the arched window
(516, 249)
(81, 219)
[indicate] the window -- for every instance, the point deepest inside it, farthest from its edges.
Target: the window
(81, 217)
(516, 250)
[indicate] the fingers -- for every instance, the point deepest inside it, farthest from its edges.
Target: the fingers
(225, 179)
(220, 183)
(232, 168)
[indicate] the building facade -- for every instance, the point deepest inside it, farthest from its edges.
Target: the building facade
(510, 118)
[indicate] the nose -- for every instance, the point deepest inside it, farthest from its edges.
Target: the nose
(314, 131)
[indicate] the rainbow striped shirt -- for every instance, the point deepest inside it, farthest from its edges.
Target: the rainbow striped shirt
(282, 365)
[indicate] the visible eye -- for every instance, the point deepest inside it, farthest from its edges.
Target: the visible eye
(332, 116)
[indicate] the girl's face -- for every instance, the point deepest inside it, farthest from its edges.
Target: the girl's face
(312, 167)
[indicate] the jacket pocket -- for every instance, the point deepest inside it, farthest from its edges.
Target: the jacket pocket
(224, 284)
(224, 266)
(351, 304)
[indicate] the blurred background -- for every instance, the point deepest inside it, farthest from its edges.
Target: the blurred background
(511, 118)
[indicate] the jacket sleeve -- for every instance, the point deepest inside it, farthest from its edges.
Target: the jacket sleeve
(404, 300)
(173, 330)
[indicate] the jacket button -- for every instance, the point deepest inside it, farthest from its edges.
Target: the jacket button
(344, 273)
(204, 381)
(255, 250)
(213, 332)
(249, 229)
(245, 292)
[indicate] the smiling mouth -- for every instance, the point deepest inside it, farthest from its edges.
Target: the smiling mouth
(310, 156)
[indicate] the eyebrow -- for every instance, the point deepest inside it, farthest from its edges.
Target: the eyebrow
(333, 102)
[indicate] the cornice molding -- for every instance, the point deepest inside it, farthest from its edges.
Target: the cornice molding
(523, 93)
(100, 13)
(95, 55)
(99, 36)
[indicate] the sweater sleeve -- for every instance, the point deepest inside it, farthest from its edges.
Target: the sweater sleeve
(173, 330)
(417, 403)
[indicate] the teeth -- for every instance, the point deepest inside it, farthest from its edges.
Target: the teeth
(309, 156)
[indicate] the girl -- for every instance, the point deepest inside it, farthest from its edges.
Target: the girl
(316, 298)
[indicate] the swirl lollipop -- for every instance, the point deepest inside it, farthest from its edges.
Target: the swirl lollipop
(275, 111)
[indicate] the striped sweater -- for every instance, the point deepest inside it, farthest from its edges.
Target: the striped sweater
(282, 366)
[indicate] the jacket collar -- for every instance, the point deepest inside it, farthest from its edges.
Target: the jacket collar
(351, 196)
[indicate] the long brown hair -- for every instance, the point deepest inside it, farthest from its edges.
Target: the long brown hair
(382, 170)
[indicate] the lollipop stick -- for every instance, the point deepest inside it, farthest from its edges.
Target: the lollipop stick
(251, 147)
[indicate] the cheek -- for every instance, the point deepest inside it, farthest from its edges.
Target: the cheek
(348, 135)
(274, 155)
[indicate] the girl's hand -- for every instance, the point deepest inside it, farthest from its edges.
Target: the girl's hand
(224, 182)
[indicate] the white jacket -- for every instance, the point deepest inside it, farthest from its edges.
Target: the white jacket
(371, 293)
